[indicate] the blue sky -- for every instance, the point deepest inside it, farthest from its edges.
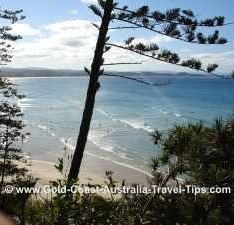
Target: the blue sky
(58, 34)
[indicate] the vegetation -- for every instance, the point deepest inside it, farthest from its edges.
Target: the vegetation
(11, 130)
(192, 154)
(204, 157)
(175, 23)
(6, 38)
(201, 155)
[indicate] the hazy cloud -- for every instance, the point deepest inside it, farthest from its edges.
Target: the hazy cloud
(69, 44)
(24, 29)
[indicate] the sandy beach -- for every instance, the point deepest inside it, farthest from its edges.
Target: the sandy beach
(92, 171)
(45, 150)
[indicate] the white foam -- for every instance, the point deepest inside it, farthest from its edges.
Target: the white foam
(167, 113)
(177, 114)
(139, 125)
(72, 147)
(103, 113)
(101, 146)
(96, 138)
(163, 111)
(42, 127)
(24, 103)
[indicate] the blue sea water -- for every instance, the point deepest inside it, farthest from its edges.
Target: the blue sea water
(125, 112)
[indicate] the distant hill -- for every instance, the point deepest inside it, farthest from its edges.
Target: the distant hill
(42, 72)
(37, 72)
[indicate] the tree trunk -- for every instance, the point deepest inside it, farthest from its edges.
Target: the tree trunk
(3, 172)
(4, 160)
(91, 93)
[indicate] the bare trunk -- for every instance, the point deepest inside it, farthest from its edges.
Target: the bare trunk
(91, 93)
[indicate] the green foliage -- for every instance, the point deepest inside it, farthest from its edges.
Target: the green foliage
(169, 57)
(188, 12)
(11, 123)
(192, 63)
(172, 23)
(11, 140)
(175, 23)
(201, 149)
(204, 155)
(212, 67)
(87, 70)
(156, 136)
(11, 130)
(129, 40)
(96, 10)
(5, 36)
(60, 165)
(201, 38)
(154, 163)
(102, 3)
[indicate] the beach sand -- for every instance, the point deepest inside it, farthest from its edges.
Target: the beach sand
(44, 151)
(92, 171)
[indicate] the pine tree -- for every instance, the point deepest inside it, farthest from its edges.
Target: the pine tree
(11, 129)
(175, 23)
(10, 114)
(11, 135)
(6, 37)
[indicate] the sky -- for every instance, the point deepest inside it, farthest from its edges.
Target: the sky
(58, 34)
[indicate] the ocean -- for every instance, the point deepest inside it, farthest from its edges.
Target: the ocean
(125, 114)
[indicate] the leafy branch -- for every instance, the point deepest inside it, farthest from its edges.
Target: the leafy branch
(151, 51)
(187, 34)
(6, 36)
(176, 16)
(175, 23)
(127, 77)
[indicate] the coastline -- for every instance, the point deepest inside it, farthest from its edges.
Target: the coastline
(44, 151)
(92, 172)
(52, 116)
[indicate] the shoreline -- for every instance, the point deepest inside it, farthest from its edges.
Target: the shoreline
(93, 168)
(92, 171)
(46, 172)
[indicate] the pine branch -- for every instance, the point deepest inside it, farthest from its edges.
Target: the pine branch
(162, 60)
(193, 23)
(173, 35)
(135, 79)
(127, 27)
(13, 16)
(127, 63)
(96, 10)
(126, 77)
